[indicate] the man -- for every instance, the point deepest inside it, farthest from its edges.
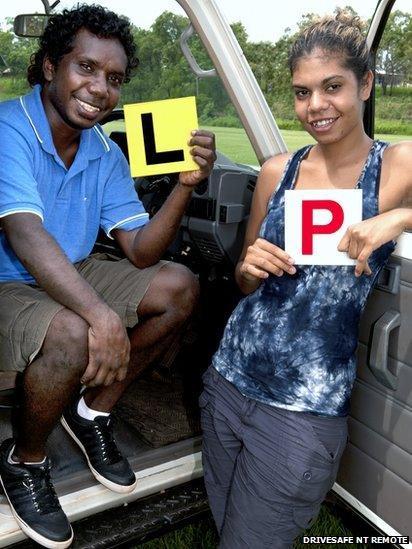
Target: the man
(64, 314)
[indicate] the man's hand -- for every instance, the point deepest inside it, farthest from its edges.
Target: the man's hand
(146, 246)
(109, 351)
(204, 154)
(264, 258)
(362, 239)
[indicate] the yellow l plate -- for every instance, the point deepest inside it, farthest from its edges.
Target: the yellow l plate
(157, 136)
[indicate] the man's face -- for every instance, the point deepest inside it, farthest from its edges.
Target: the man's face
(85, 86)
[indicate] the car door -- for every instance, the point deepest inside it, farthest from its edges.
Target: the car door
(376, 472)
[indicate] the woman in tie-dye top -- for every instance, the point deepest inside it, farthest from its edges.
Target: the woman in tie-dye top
(276, 397)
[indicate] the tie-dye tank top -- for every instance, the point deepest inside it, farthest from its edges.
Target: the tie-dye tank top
(292, 342)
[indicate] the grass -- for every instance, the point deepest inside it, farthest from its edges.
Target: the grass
(234, 143)
(203, 534)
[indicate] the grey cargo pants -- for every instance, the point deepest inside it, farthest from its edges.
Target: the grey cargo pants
(267, 470)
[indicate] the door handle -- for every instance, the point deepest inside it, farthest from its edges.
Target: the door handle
(389, 279)
(379, 359)
(190, 58)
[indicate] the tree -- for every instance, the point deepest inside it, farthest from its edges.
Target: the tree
(394, 57)
(164, 73)
(16, 51)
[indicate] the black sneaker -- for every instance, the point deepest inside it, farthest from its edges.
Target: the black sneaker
(95, 439)
(33, 501)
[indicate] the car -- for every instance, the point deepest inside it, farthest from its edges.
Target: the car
(160, 433)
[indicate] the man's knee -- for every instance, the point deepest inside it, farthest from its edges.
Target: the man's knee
(66, 341)
(174, 290)
(182, 290)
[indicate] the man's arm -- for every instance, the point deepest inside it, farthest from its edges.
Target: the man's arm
(146, 246)
(45, 261)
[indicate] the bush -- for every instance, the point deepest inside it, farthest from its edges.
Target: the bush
(393, 127)
(11, 87)
(286, 124)
(228, 121)
(381, 126)
(397, 91)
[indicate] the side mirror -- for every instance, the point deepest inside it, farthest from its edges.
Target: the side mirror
(30, 25)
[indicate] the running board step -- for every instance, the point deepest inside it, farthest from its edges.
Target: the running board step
(139, 521)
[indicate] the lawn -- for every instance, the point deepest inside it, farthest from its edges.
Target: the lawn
(234, 143)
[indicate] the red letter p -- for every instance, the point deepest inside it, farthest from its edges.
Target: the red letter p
(309, 229)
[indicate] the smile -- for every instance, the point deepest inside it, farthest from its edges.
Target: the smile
(87, 106)
(322, 123)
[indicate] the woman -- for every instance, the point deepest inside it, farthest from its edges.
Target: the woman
(275, 403)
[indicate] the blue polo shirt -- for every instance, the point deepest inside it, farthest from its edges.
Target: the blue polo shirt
(96, 191)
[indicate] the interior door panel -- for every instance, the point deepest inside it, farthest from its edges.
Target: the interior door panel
(377, 465)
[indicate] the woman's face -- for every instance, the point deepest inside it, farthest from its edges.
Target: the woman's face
(328, 97)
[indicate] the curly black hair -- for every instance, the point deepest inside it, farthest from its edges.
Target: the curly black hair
(60, 32)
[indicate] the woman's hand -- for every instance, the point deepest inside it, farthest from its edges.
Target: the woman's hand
(362, 239)
(264, 258)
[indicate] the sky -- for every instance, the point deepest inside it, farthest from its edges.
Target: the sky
(266, 21)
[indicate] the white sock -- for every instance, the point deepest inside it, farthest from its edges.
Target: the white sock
(87, 413)
(14, 462)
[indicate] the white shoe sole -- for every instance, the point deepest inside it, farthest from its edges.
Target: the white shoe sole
(108, 483)
(51, 544)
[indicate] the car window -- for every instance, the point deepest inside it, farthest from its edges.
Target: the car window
(393, 80)
(393, 84)
(164, 73)
(267, 54)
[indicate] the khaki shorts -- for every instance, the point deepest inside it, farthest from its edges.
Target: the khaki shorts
(26, 311)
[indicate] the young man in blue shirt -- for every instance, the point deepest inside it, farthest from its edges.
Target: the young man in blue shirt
(64, 313)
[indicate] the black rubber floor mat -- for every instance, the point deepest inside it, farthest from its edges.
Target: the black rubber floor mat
(162, 411)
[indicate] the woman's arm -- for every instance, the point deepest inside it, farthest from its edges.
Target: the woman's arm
(362, 239)
(259, 258)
